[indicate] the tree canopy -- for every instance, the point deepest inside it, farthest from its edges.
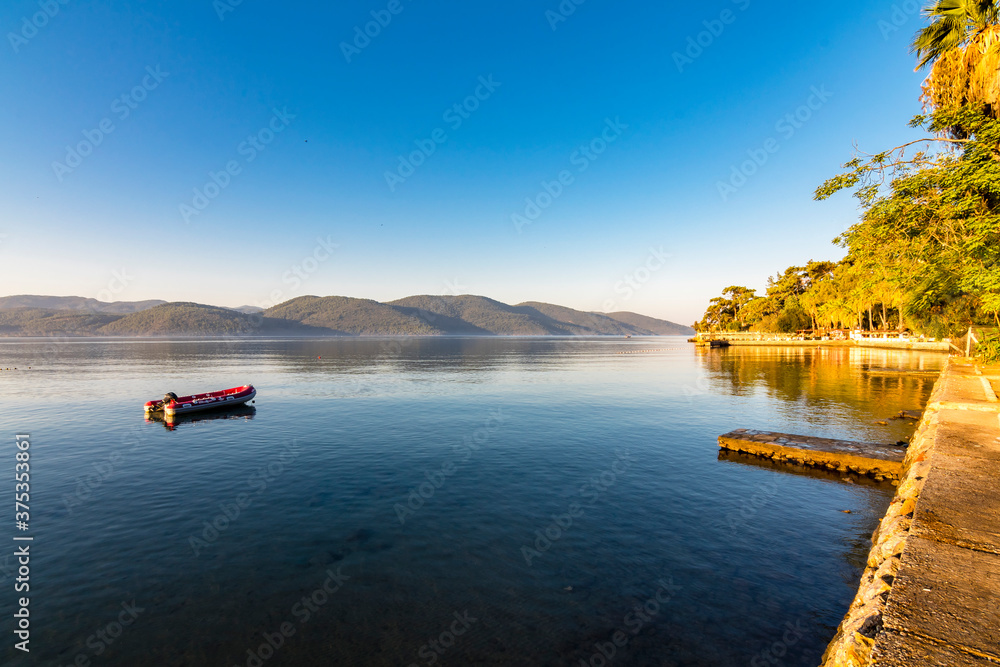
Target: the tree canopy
(925, 253)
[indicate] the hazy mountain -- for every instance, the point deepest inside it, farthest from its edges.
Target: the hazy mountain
(477, 315)
(194, 319)
(75, 303)
(653, 325)
(47, 322)
(183, 319)
(584, 323)
(320, 316)
(344, 315)
(470, 314)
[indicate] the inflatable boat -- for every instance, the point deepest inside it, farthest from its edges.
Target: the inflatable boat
(172, 404)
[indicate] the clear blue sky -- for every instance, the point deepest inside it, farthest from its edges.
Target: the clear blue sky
(184, 86)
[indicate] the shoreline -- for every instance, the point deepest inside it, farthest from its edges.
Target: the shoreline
(871, 343)
(924, 597)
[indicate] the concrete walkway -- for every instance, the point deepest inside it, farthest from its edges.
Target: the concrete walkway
(944, 604)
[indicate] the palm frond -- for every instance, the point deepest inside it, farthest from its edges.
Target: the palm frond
(969, 75)
(961, 44)
(953, 24)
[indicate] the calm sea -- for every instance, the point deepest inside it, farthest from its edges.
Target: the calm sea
(447, 501)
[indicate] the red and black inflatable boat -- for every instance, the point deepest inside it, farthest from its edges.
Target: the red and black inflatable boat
(172, 404)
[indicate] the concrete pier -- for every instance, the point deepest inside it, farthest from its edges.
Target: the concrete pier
(930, 593)
(747, 338)
(883, 462)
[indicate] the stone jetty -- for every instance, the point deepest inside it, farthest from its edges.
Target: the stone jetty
(930, 592)
(882, 462)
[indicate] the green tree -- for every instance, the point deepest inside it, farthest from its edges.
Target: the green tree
(954, 24)
(837, 313)
(739, 297)
(757, 310)
(962, 46)
(820, 281)
(792, 317)
(725, 313)
(793, 282)
(816, 272)
(939, 215)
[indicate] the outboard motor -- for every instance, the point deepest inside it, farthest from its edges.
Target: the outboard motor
(169, 396)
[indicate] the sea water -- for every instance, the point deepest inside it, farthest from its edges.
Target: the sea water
(439, 501)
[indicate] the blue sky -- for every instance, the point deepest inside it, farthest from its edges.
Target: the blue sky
(242, 154)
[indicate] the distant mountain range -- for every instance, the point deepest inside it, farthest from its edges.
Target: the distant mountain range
(75, 303)
(28, 315)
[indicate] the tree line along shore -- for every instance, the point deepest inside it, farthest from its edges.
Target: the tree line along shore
(924, 257)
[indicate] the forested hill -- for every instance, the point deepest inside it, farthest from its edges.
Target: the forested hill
(318, 316)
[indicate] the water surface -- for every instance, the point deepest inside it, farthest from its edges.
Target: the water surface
(464, 501)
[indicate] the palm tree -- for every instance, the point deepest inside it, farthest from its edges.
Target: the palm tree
(838, 312)
(962, 45)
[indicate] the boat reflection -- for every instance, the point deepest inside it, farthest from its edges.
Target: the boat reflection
(173, 421)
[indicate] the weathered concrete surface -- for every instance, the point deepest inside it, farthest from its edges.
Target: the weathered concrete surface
(957, 505)
(879, 461)
(931, 590)
(896, 649)
(945, 595)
